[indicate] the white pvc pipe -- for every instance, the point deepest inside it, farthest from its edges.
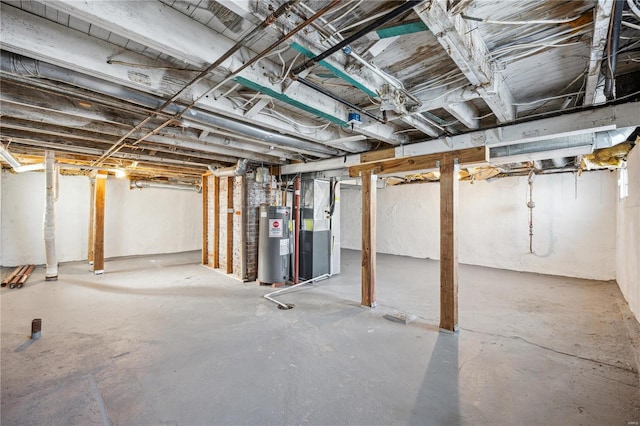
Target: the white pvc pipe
(49, 227)
(282, 290)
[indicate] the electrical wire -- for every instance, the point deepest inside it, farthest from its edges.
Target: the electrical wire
(547, 99)
(630, 25)
(530, 22)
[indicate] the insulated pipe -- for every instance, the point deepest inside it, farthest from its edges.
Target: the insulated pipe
(49, 227)
(296, 238)
(149, 184)
(237, 170)
(612, 50)
(30, 67)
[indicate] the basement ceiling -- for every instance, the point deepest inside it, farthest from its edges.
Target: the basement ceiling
(167, 89)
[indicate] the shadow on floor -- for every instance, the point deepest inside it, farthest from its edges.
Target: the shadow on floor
(438, 400)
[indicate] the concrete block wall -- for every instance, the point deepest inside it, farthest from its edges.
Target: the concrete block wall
(238, 217)
(574, 223)
(628, 236)
(137, 222)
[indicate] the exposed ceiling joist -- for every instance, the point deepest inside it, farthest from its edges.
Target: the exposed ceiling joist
(467, 49)
(601, 18)
(141, 22)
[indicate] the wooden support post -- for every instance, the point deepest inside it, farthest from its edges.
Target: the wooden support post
(205, 219)
(98, 223)
(369, 189)
(92, 194)
(448, 245)
(216, 222)
(230, 180)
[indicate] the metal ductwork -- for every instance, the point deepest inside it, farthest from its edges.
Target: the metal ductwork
(610, 138)
(30, 67)
(139, 184)
(237, 170)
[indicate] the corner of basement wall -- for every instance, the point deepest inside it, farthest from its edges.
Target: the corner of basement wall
(628, 236)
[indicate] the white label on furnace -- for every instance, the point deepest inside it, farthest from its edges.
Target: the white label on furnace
(284, 247)
(275, 228)
(263, 214)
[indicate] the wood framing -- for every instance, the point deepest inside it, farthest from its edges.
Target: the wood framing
(369, 199)
(216, 222)
(90, 239)
(98, 222)
(448, 245)
(205, 219)
(477, 155)
(229, 267)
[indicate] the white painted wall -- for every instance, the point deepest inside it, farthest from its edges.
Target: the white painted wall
(628, 237)
(137, 222)
(574, 235)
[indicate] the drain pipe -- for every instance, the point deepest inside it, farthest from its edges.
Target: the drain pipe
(531, 204)
(49, 227)
(285, 306)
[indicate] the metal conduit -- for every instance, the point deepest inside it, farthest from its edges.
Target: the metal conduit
(312, 61)
(30, 67)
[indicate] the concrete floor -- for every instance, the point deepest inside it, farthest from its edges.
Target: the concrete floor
(162, 340)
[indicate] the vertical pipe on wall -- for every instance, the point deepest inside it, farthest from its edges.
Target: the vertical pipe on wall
(49, 227)
(296, 237)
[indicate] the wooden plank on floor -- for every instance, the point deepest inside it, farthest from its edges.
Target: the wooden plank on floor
(216, 222)
(369, 198)
(230, 180)
(448, 246)
(98, 222)
(205, 219)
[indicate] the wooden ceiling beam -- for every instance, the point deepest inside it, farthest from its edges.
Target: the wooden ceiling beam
(469, 156)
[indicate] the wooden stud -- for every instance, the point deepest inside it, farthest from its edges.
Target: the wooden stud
(216, 222)
(205, 219)
(476, 155)
(230, 180)
(92, 190)
(448, 245)
(98, 222)
(369, 189)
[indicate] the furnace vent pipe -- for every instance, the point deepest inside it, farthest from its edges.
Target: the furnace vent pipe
(237, 170)
(49, 227)
(149, 184)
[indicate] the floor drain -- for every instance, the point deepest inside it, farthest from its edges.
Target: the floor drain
(289, 306)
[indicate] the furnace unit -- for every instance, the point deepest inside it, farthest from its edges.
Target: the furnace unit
(274, 244)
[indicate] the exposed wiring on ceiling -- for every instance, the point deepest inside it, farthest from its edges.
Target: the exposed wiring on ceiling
(634, 8)
(630, 25)
(528, 22)
(358, 3)
(547, 99)
(155, 67)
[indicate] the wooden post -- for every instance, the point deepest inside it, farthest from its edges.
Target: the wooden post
(92, 195)
(448, 245)
(205, 219)
(369, 189)
(216, 222)
(230, 180)
(98, 223)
